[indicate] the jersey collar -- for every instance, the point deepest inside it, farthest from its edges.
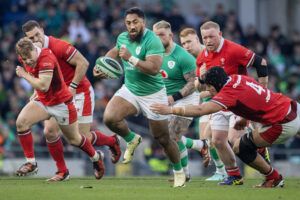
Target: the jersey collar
(220, 45)
(46, 41)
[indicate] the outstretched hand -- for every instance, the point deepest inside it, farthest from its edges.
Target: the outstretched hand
(20, 71)
(99, 74)
(161, 109)
(240, 124)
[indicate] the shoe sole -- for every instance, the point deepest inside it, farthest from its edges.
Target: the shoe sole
(53, 181)
(29, 173)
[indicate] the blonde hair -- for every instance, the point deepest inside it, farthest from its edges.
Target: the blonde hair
(210, 24)
(162, 24)
(187, 31)
(24, 46)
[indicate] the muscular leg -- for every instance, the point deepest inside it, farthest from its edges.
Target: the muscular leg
(160, 132)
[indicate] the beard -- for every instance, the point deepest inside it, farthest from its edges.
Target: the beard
(136, 38)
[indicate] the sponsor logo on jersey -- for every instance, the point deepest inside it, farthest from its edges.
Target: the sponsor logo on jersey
(171, 64)
(164, 74)
(222, 60)
(138, 50)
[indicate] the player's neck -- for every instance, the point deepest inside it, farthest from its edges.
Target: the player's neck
(169, 47)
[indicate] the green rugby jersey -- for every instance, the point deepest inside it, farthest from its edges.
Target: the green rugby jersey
(175, 64)
(137, 82)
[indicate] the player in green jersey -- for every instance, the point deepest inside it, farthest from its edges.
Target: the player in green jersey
(178, 70)
(140, 51)
(190, 41)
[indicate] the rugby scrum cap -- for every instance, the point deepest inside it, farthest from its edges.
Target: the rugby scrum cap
(217, 77)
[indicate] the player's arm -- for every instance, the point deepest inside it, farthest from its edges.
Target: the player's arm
(188, 111)
(261, 66)
(150, 66)
(42, 83)
(113, 53)
(81, 66)
(188, 88)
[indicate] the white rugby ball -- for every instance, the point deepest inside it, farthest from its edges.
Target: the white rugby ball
(109, 66)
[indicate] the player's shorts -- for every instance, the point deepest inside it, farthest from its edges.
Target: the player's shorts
(143, 103)
(192, 99)
(64, 113)
(222, 120)
(204, 118)
(280, 132)
(85, 103)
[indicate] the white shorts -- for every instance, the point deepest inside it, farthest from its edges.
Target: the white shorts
(192, 99)
(204, 118)
(143, 103)
(222, 120)
(85, 103)
(64, 113)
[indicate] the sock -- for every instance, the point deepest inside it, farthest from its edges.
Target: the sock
(56, 150)
(197, 145)
(100, 139)
(129, 137)
(26, 141)
(87, 147)
(183, 154)
(188, 142)
(272, 174)
(218, 162)
(177, 166)
(233, 171)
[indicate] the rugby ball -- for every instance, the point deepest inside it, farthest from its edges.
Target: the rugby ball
(109, 66)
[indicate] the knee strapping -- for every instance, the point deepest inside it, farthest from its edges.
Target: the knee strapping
(247, 149)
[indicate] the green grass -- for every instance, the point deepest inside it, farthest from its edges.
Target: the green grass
(154, 188)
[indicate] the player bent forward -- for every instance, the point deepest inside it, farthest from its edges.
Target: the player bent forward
(54, 100)
(275, 116)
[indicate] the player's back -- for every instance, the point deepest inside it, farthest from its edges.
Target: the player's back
(247, 98)
(64, 53)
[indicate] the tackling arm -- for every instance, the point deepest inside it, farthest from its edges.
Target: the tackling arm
(42, 83)
(81, 66)
(261, 67)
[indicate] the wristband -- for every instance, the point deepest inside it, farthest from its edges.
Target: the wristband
(178, 110)
(201, 80)
(177, 96)
(74, 85)
(133, 60)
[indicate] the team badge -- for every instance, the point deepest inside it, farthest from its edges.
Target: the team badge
(164, 74)
(222, 60)
(171, 64)
(138, 50)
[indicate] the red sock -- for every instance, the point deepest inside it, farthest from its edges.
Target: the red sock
(56, 150)
(26, 141)
(100, 139)
(272, 174)
(233, 171)
(86, 146)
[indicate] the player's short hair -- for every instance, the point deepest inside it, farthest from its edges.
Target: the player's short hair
(135, 10)
(187, 31)
(217, 77)
(24, 46)
(162, 24)
(29, 25)
(210, 24)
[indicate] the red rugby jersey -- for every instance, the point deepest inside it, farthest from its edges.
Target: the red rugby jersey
(247, 98)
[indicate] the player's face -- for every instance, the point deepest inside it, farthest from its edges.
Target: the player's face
(191, 43)
(165, 35)
(135, 26)
(211, 38)
(36, 35)
(211, 89)
(30, 58)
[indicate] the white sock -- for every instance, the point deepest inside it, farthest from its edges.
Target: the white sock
(30, 160)
(95, 157)
(183, 139)
(197, 145)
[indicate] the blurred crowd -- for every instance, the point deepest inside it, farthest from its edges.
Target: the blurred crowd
(92, 27)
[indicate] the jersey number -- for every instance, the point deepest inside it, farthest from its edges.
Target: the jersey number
(259, 89)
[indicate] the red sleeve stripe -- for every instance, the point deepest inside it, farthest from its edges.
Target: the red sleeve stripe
(250, 61)
(46, 71)
(219, 103)
(71, 56)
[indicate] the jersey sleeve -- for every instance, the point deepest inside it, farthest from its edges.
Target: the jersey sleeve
(64, 50)
(154, 46)
(188, 63)
(225, 98)
(199, 63)
(242, 55)
(46, 65)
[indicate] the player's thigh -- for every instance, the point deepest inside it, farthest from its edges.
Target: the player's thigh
(71, 132)
(118, 108)
(178, 126)
(219, 127)
(234, 134)
(32, 113)
(51, 129)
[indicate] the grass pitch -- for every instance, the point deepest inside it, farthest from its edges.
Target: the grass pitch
(154, 188)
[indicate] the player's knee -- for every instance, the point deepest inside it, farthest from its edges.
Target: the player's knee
(247, 149)
(218, 142)
(163, 140)
(236, 146)
(22, 124)
(51, 133)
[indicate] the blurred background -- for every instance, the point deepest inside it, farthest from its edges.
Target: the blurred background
(268, 27)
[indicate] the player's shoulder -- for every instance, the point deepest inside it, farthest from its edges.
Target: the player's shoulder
(231, 46)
